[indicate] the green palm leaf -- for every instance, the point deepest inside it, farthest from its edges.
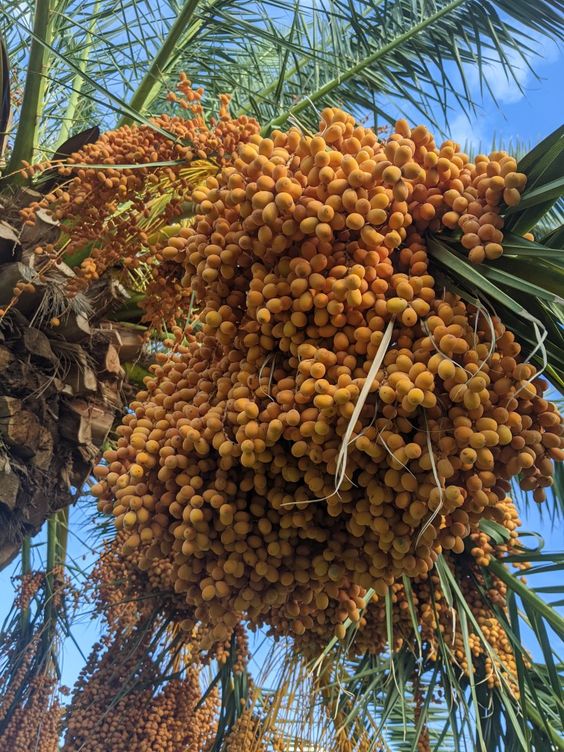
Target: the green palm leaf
(526, 284)
(377, 693)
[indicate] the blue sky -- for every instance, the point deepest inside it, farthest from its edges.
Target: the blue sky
(528, 117)
(521, 112)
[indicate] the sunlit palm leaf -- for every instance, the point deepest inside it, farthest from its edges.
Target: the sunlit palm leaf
(467, 712)
(5, 104)
(526, 285)
(278, 58)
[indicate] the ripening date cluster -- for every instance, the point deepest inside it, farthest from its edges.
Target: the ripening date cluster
(119, 196)
(340, 420)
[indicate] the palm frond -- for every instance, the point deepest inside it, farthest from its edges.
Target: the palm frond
(525, 285)
(31, 637)
(543, 166)
(107, 60)
(34, 89)
(5, 104)
(401, 698)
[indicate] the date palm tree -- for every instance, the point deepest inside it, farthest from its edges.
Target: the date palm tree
(71, 69)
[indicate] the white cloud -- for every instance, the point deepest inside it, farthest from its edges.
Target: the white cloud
(476, 132)
(507, 86)
(468, 133)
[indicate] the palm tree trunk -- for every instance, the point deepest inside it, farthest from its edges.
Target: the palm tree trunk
(62, 385)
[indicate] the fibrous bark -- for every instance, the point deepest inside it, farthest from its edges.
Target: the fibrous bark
(62, 385)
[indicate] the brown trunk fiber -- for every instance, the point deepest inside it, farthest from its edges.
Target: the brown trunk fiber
(61, 387)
